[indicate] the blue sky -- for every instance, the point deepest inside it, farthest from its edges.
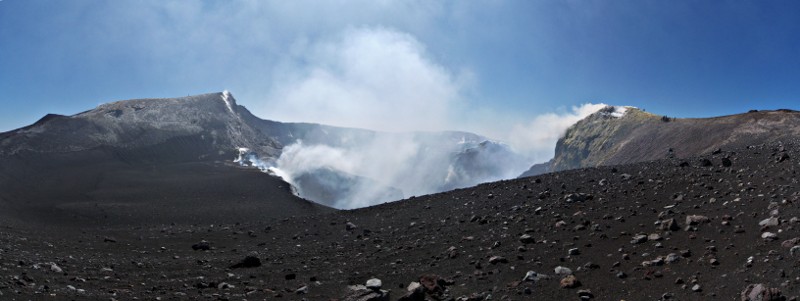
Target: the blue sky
(483, 66)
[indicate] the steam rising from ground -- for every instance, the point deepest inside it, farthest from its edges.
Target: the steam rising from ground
(382, 79)
(389, 166)
(537, 138)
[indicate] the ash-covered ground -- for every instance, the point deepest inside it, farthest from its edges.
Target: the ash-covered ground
(719, 227)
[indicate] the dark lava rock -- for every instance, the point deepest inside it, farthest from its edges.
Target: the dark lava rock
(669, 225)
(201, 246)
(578, 197)
(248, 262)
(527, 239)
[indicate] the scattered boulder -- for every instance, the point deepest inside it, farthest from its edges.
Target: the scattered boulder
(533, 276)
(452, 252)
(570, 281)
(672, 258)
(637, 239)
(374, 284)
(527, 239)
(559, 270)
(431, 283)
(585, 295)
(362, 293)
(769, 222)
(350, 226)
(726, 162)
(759, 292)
(415, 292)
(669, 225)
(201, 246)
(247, 262)
(578, 197)
(55, 268)
(769, 236)
(694, 220)
(497, 259)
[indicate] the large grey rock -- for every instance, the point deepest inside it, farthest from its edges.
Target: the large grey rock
(362, 293)
(759, 292)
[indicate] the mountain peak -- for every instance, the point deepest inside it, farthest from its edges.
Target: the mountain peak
(213, 117)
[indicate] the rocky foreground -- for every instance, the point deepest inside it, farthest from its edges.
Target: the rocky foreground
(719, 227)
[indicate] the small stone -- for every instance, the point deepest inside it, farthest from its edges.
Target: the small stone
(350, 226)
(694, 220)
(726, 162)
(533, 276)
(697, 288)
(769, 236)
(570, 282)
(452, 252)
(672, 258)
(759, 292)
(497, 259)
(574, 251)
(669, 225)
(201, 246)
(374, 284)
(585, 294)
(559, 270)
(639, 239)
(527, 239)
(247, 262)
(769, 222)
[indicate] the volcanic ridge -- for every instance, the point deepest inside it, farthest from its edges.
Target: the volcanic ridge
(142, 200)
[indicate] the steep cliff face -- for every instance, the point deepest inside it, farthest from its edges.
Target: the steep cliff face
(610, 138)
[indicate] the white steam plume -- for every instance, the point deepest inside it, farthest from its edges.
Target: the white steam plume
(374, 78)
(537, 138)
(383, 79)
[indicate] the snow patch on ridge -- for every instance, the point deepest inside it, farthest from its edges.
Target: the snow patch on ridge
(226, 97)
(615, 111)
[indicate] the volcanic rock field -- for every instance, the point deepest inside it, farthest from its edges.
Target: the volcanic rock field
(719, 226)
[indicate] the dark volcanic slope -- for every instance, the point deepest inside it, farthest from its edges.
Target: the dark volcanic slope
(602, 139)
(617, 220)
(98, 188)
(142, 162)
